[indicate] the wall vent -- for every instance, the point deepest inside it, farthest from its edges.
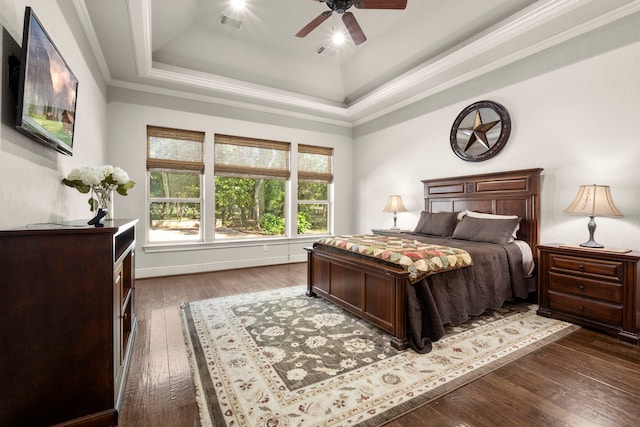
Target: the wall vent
(325, 50)
(230, 20)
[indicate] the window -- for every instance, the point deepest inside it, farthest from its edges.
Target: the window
(251, 179)
(252, 195)
(315, 175)
(175, 168)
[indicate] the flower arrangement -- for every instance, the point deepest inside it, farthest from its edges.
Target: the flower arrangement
(101, 181)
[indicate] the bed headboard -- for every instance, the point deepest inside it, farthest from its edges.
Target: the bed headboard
(504, 193)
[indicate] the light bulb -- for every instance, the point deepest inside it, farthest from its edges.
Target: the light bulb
(238, 4)
(338, 38)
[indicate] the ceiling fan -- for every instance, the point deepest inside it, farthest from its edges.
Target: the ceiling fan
(341, 7)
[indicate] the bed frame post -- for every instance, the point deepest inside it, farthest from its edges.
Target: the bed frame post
(310, 275)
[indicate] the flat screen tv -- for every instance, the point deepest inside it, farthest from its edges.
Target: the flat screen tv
(47, 90)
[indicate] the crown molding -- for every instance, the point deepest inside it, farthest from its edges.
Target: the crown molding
(441, 73)
(470, 51)
(238, 88)
(85, 20)
(156, 90)
(566, 35)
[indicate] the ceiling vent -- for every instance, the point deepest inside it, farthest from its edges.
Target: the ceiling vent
(230, 20)
(326, 50)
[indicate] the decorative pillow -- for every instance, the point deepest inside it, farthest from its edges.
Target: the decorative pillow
(436, 223)
(485, 230)
(475, 214)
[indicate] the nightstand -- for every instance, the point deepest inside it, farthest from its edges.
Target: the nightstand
(388, 231)
(598, 289)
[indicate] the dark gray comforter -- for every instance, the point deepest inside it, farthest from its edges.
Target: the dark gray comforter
(450, 298)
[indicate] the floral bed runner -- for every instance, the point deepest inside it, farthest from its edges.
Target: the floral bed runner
(418, 258)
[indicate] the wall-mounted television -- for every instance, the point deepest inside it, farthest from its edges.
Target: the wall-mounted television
(47, 90)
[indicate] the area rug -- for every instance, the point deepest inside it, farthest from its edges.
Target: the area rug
(279, 359)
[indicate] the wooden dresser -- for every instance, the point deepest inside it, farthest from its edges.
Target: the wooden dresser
(67, 322)
(594, 288)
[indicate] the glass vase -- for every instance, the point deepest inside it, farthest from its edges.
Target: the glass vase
(103, 199)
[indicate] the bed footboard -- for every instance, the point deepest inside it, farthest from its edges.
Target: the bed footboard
(371, 291)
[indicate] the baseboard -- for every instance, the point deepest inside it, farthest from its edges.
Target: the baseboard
(175, 270)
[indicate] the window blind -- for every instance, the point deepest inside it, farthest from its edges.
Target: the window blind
(241, 156)
(315, 163)
(175, 149)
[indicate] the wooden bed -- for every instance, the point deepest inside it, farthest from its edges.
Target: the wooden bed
(377, 292)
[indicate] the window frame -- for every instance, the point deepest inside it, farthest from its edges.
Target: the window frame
(155, 164)
(315, 176)
(208, 175)
(227, 169)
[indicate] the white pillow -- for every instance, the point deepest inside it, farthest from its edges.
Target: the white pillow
(475, 214)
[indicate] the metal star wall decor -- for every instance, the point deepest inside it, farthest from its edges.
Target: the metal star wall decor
(480, 131)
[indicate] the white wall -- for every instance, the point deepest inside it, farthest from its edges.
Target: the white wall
(31, 190)
(574, 110)
(130, 112)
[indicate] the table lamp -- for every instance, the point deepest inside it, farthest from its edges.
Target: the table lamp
(593, 200)
(395, 205)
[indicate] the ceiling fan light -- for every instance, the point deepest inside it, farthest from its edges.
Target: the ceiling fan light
(238, 4)
(338, 38)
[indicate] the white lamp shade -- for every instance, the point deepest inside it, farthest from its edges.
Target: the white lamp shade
(394, 204)
(593, 200)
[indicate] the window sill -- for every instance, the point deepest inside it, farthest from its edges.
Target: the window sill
(228, 243)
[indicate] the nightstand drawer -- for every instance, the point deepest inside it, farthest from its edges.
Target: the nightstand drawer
(611, 270)
(586, 309)
(599, 289)
(584, 287)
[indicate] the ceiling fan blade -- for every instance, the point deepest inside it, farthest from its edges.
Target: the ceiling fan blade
(380, 4)
(354, 28)
(313, 24)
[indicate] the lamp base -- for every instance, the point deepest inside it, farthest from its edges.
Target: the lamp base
(592, 229)
(591, 244)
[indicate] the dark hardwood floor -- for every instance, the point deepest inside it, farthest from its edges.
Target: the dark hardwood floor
(583, 379)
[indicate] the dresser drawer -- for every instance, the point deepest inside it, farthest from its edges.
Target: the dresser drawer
(585, 287)
(610, 270)
(601, 312)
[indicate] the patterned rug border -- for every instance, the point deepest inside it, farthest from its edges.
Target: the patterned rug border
(207, 398)
(472, 376)
(203, 386)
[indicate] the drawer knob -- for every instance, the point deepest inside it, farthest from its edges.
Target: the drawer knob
(581, 308)
(581, 266)
(581, 287)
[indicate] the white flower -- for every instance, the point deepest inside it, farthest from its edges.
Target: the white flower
(104, 171)
(86, 174)
(120, 176)
(101, 181)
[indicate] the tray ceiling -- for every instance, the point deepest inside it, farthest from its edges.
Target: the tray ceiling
(181, 49)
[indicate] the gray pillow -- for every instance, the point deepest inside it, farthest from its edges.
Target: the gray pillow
(436, 223)
(485, 230)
